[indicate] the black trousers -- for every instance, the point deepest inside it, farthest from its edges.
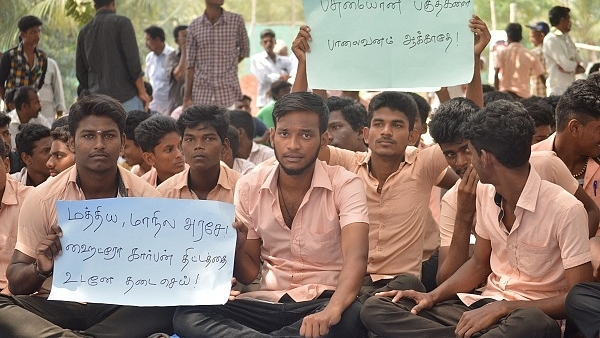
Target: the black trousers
(37, 317)
(583, 308)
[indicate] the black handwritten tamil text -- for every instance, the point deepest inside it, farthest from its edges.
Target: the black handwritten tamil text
(94, 280)
(341, 6)
(207, 260)
(437, 6)
(155, 222)
(200, 228)
(150, 256)
(96, 219)
(90, 251)
(169, 282)
(420, 39)
(366, 42)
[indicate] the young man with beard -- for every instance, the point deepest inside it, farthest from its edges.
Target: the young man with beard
(307, 222)
(96, 124)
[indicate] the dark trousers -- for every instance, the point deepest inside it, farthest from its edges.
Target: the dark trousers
(37, 317)
(250, 318)
(583, 308)
(429, 270)
(387, 319)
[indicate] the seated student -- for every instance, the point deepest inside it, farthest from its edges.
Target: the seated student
(490, 97)
(278, 89)
(132, 153)
(61, 156)
(9, 100)
(230, 158)
(423, 109)
(543, 116)
(12, 194)
(347, 120)
(203, 133)
(398, 180)
(532, 241)
(27, 110)
(307, 222)
(96, 123)
(250, 150)
(33, 146)
(15, 163)
(458, 204)
(161, 145)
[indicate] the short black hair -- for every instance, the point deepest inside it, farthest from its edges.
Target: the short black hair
(102, 3)
(446, 124)
(178, 29)
(215, 116)
(267, 32)
(9, 96)
(595, 67)
(394, 101)
(27, 22)
(540, 111)
(60, 122)
(155, 32)
(278, 86)
(488, 88)
(234, 140)
(302, 101)
(150, 131)
(3, 150)
(423, 107)
(61, 134)
(4, 120)
(148, 88)
(28, 134)
(581, 101)
(96, 105)
(353, 112)
(556, 13)
(134, 118)
(504, 129)
(514, 32)
(22, 96)
(495, 96)
(243, 119)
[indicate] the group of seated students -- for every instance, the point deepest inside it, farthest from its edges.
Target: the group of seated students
(343, 240)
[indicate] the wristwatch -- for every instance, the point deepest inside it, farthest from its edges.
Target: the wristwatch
(39, 273)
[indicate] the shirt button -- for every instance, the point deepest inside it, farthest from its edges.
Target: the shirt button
(510, 247)
(383, 226)
(379, 248)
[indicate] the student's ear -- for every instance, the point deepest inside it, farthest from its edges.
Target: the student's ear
(272, 135)
(361, 134)
(122, 141)
(324, 140)
(225, 147)
(149, 158)
(71, 144)
(413, 136)
(365, 134)
(242, 133)
(7, 164)
(486, 158)
(26, 158)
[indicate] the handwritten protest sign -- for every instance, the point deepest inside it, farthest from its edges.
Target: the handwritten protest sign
(145, 252)
(377, 44)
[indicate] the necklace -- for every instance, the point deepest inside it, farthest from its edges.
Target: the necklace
(583, 169)
(290, 218)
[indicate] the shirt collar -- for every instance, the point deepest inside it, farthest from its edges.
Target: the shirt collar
(529, 194)
(320, 178)
(410, 154)
(556, 31)
(223, 180)
(222, 19)
(10, 191)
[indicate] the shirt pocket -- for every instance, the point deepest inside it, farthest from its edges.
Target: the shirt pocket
(535, 261)
(322, 248)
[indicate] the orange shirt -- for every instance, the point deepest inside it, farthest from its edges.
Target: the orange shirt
(549, 235)
(550, 168)
(517, 64)
(307, 259)
(399, 215)
(150, 176)
(177, 186)
(35, 226)
(12, 200)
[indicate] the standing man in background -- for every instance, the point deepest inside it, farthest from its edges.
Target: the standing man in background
(52, 94)
(25, 64)
(156, 63)
(216, 42)
(175, 69)
(536, 37)
(562, 59)
(108, 60)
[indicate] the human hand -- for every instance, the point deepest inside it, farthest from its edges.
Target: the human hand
(300, 45)
(233, 293)
(145, 100)
(423, 300)
(467, 194)
(482, 34)
(48, 250)
(318, 324)
(187, 102)
(242, 234)
(476, 320)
